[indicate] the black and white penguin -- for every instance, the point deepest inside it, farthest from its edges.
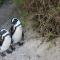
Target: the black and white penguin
(5, 40)
(16, 31)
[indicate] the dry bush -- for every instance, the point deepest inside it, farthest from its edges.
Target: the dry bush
(47, 18)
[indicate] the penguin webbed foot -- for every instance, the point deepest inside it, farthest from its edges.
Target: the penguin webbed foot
(3, 54)
(20, 43)
(9, 51)
(12, 48)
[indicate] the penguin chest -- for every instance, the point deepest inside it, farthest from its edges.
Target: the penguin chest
(6, 43)
(17, 35)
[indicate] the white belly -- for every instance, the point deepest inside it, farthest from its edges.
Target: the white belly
(17, 35)
(6, 44)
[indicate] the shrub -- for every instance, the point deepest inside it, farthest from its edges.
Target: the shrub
(1, 2)
(47, 18)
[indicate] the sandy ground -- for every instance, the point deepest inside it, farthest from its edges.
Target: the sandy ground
(33, 49)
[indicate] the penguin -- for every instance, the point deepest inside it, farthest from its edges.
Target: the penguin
(5, 41)
(16, 31)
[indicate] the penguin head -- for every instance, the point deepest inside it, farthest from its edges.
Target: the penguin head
(3, 32)
(15, 23)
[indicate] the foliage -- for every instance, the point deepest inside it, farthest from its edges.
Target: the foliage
(1, 2)
(47, 18)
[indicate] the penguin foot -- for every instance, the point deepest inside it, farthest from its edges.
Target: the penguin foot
(9, 51)
(20, 43)
(13, 48)
(3, 54)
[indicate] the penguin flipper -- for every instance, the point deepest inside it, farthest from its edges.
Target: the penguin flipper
(23, 36)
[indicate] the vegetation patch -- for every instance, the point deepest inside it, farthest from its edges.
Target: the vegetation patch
(1, 2)
(47, 19)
